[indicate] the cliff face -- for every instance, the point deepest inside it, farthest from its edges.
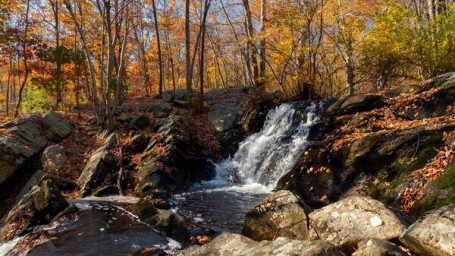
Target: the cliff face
(397, 147)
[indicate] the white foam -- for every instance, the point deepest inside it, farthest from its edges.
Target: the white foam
(8, 247)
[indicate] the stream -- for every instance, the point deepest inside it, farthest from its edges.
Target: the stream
(246, 178)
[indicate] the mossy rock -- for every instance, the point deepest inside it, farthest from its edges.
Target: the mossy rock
(393, 177)
(144, 209)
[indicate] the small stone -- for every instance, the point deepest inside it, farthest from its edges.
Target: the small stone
(375, 221)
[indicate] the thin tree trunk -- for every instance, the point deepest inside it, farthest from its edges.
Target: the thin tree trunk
(24, 52)
(158, 41)
(188, 75)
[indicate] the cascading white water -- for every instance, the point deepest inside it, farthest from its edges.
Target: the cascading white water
(264, 157)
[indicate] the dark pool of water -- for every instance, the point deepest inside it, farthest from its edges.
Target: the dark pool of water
(101, 230)
(222, 207)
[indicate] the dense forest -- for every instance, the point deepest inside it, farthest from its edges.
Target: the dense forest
(61, 54)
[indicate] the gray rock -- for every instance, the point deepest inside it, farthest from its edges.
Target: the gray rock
(223, 115)
(48, 200)
(19, 145)
(139, 123)
(356, 103)
(159, 110)
(53, 158)
(100, 164)
(353, 219)
(234, 244)
(57, 126)
(378, 247)
(433, 234)
(279, 215)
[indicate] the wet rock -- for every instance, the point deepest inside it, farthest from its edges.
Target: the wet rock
(99, 166)
(356, 103)
(48, 201)
(139, 143)
(433, 234)
(223, 115)
(172, 224)
(57, 126)
(53, 158)
(279, 215)
(144, 209)
(350, 220)
(234, 244)
(378, 247)
(22, 141)
(139, 123)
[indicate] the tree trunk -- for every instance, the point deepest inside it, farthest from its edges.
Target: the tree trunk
(158, 41)
(188, 74)
(24, 52)
(251, 46)
(262, 45)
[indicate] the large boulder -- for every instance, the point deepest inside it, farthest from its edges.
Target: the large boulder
(279, 215)
(350, 220)
(433, 234)
(234, 244)
(21, 141)
(355, 103)
(58, 127)
(160, 110)
(53, 158)
(223, 115)
(99, 166)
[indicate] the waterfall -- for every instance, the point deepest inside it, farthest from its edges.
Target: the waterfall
(266, 156)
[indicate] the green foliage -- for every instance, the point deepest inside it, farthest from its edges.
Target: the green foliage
(447, 180)
(35, 100)
(402, 45)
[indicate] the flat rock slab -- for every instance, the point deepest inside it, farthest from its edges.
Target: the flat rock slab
(353, 219)
(234, 244)
(20, 144)
(433, 234)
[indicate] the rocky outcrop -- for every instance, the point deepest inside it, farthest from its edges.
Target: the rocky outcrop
(434, 234)
(355, 103)
(169, 161)
(100, 166)
(234, 244)
(57, 127)
(21, 141)
(378, 247)
(53, 158)
(278, 215)
(48, 201)
(39, 206)
(350, 220)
